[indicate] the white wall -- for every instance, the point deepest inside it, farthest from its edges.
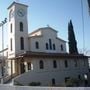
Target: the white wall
(37, 33)
(46, 75)
(16, 34)
(47, 33)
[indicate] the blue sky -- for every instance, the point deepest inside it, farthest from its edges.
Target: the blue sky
(55, 13)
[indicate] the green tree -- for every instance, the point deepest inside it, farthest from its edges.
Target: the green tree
(71, 39)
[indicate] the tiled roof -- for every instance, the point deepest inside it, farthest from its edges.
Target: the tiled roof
(43, 28)
(49, 55)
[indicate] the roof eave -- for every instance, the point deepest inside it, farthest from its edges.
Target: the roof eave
(17, 3)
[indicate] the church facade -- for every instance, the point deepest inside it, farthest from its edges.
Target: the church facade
(40, 56)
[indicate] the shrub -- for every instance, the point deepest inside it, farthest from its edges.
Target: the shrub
(34, 84)
(17, 83)
(73, 82)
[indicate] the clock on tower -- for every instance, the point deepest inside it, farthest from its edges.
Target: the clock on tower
(21, 12)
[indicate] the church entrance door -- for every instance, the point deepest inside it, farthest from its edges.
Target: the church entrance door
(22, 67)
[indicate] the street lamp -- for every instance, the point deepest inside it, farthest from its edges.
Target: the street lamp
(2, 66)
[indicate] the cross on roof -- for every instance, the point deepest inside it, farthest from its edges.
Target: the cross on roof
(17, 0)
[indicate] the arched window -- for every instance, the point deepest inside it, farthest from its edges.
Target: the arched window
(11, 27)
(46, 46)
(11, 43)
(61, 47)
(10, 14)
(79, 77)
(21, 26)
(53, 81)
(41, 64)
(37, 45)
(54, 64)
(22, 43)
(50, 44)
(54, 47)
(66, 63)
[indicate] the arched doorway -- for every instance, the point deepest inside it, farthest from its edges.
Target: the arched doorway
(22, 66)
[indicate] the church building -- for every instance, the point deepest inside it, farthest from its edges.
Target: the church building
(39, 56)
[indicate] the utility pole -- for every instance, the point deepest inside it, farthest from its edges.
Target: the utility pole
(82, 15)
(2, 65)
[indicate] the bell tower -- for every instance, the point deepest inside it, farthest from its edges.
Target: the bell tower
(18, 29)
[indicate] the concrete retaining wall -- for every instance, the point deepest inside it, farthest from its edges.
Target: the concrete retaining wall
(5, 87)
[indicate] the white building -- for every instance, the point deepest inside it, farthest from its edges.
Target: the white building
(40, 56)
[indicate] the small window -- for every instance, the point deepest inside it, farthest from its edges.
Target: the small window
(11, 27)
(46, 46)
(11, 43)
(54, 47)
(41, 64)
(37, 45)
(21, 26)
(22, 43)
(66, 63)
(53, 81)
(54, 64)
(61, 47)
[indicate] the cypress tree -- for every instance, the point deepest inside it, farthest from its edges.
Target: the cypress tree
(71, 39)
